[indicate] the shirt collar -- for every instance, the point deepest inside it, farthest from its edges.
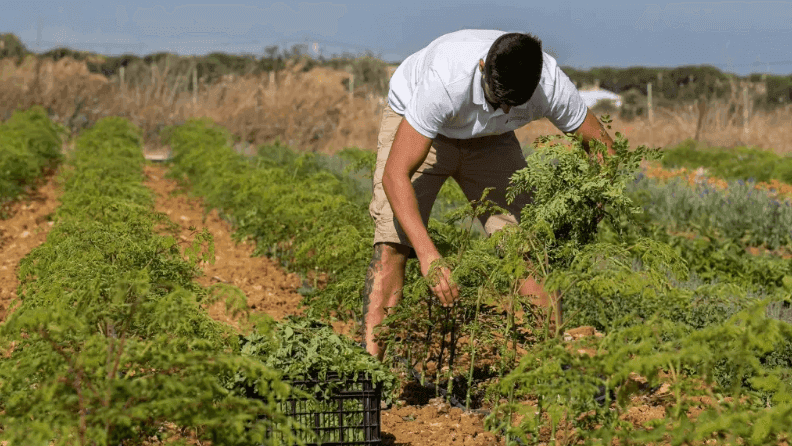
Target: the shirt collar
(478, 92)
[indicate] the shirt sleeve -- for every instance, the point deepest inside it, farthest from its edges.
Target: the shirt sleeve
(430, 106)
(566, 109)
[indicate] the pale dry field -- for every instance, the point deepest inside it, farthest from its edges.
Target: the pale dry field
(314, 111)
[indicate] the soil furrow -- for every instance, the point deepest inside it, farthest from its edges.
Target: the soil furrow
(25, 229)
(268, 288)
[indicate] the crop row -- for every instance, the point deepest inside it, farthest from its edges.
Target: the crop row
(711, 344)
(714, 230)
(109, 343)
(740, 212)
(292, 206)
(29, 144)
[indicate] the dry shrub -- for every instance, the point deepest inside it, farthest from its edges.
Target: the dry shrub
(722, 127)
(307, 110)
(65, 88)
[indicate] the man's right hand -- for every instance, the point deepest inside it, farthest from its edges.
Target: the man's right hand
(440, 281)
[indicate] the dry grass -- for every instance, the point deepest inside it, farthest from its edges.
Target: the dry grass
(314, 111)
(721, 128)
(310, 111)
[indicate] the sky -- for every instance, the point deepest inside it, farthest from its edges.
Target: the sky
(737, 37)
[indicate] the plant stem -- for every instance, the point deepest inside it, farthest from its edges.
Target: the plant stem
(452, 350)
(473, 334)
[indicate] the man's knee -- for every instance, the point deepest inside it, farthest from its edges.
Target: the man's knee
(387, 259)
(391, 253)
(386, 267)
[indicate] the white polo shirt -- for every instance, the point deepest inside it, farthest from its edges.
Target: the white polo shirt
(438, 90)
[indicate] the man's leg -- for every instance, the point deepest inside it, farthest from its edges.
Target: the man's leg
(382, 289)
(547, 303)
(490, 162)
(385, 276)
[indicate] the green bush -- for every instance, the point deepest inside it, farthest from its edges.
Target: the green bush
(29, 144)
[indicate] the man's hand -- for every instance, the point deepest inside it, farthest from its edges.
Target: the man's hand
(440, 281)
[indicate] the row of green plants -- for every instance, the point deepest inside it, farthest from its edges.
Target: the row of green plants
(621, 285)
(108, 343)
(626, 283)
(30, 146)
(294, 208)
(715, 231)
(730, 235)
(313, 220)
(730, 163)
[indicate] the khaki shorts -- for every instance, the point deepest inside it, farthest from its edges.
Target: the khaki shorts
(475, 164)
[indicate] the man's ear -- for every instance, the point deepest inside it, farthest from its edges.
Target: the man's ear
(481, 65)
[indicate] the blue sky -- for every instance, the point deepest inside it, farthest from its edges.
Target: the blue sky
(738, 37)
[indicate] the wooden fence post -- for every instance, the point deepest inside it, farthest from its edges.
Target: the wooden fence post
(195, 86)
(746, 115)
(154, 79)
(702, 109)
(123, 84)
(649, 102)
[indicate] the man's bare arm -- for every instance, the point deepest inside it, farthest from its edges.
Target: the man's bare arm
(592, 128)
(408, 151)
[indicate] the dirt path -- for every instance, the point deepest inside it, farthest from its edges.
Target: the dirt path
(267, 287)
(25, 229)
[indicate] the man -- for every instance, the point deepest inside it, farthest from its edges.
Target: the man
(452, 110)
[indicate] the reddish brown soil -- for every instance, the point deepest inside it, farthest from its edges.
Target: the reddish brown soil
(26, 228)
(435, 423)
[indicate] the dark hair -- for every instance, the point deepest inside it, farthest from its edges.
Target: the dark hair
(513, 68)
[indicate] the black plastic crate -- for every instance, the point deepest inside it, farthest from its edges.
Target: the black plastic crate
(349, 415)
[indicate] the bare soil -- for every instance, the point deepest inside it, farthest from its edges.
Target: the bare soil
(25, 229)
